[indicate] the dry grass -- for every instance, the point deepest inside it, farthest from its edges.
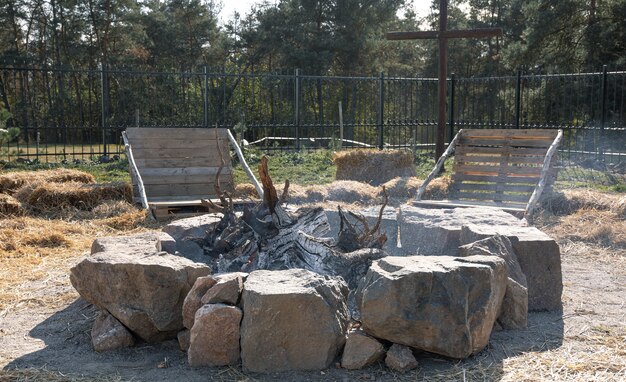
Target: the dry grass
(9, 206)
(373, 166)
(50, 197)
(37, 249)
(567, 202)
(587, 357)
(13, 181)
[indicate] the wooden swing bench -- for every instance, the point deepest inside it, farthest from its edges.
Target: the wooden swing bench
(174, 169)
(506, 169)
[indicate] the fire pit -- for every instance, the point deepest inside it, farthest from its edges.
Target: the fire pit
(297, 289)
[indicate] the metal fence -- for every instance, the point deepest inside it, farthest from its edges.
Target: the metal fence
(79, 114)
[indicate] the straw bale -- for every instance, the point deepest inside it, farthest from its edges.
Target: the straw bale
(55, 196)
(567, 202)
(10, 206)
(373, 166)
(11, 182)
(350, 191)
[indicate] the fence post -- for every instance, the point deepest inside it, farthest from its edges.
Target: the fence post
(603, 117)
(518, 98)
(103, 96)
(381, 109)
(205, 98)
(452, 87)
(297, 106)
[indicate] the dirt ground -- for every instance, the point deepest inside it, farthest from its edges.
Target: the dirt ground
(45, 326)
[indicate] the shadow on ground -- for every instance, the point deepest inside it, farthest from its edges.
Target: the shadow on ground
(66, 335)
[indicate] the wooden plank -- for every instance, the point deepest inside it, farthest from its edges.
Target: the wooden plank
(177, 143)
(518, 151)
(145, 163)
(187, 200)
(211, 156)
(185, 179)
(493, 196)
(515, 207)
(466, 158)
(205, 189)
(497, 141)
(179, 171)
(135, 133)
(496, 178)
(494, 187)
(543, 133)
(486, 169)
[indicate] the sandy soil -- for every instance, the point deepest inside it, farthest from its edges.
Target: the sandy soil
(46, 336)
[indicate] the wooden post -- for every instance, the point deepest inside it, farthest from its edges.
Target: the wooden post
(438, 166)
(340, 126)
(244, 164)
(133, 166)
(534, 198)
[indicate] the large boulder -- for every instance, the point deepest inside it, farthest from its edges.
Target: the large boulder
(432, 231)
(361, 350)
(293, 320)
(514, 311)
(539, 257)
(441, 304)
(192, 228)
(214, 337)
(141, 242)
(142, 288)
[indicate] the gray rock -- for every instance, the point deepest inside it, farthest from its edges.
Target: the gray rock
(184, 336)
(441, 304)
(191, 228)
(435, 231)
(514, 310)
(193, 300)
(108, 333)
(293, 320)
(191, 250)
(361, 351)
(142, 288)
(227, 289)
(400, 358)
(145, 242)
(215, 336)
(539, 257)
(166, 243)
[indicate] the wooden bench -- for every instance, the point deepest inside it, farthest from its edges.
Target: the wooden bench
(506, 169)
(173, 169)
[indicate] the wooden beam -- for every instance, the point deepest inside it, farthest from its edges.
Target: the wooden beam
(419, 35)
(473, 33)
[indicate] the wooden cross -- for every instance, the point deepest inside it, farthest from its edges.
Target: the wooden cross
(443, 34)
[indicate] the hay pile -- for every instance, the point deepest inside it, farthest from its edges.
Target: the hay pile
(62, 193)
(10, 206)
(568, 202)
(373, 166)
(11, 182)
(55, 196)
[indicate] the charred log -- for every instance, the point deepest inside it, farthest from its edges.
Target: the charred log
(268, 237)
